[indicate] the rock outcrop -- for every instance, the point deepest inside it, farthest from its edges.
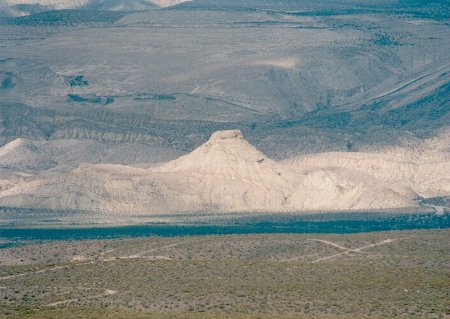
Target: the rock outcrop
(226, 174)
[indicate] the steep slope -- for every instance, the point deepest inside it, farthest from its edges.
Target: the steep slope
(346, 189)
(120, 5)
(114, 5)
(168, 3)
(38, 155)
(54, 4)
(226, 174)
(423, 169)
(233, 175)
(21, 154)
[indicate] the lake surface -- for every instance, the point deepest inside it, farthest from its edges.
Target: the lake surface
(249, 224)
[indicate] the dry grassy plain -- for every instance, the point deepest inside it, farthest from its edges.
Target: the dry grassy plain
(371, 275)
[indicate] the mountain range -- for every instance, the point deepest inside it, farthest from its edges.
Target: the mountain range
(109, 103)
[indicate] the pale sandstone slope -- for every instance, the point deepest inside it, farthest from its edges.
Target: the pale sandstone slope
(22, 154)
(226, 174)
(423, 170)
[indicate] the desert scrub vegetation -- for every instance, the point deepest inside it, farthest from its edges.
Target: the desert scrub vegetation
(250, 276)
(117, 313)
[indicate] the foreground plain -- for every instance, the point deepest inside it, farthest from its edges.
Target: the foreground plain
(384, 274)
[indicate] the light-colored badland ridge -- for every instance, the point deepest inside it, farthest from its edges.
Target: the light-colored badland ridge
(227, 174)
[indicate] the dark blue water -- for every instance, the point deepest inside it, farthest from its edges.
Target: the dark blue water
(261, 224)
